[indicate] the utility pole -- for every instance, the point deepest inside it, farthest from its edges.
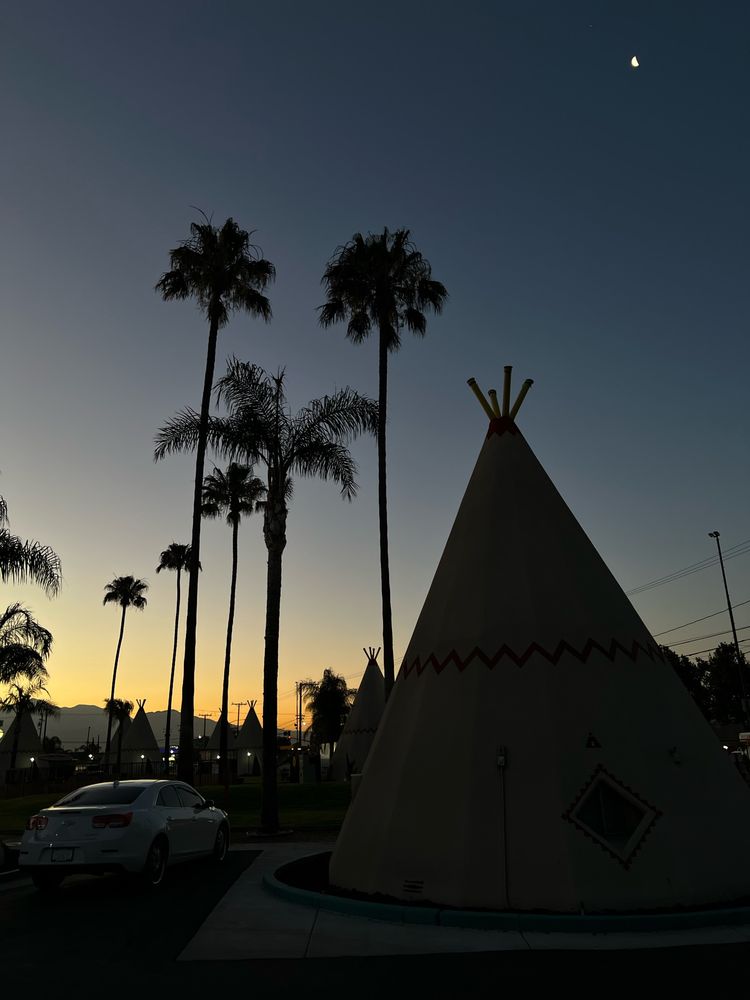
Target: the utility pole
(743, 692)
(299, 714)
(238, 705)
(204, 716)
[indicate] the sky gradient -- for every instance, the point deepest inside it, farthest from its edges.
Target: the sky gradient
(589, 221)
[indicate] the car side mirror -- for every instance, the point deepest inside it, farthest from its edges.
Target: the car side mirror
(208, 804)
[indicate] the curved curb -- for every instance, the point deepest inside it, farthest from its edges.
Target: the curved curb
(542, 922)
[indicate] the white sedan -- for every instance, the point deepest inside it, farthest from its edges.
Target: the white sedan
(129, 826)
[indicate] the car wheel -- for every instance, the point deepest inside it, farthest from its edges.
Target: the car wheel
(221, 845)
(156, 863)
(46, 881)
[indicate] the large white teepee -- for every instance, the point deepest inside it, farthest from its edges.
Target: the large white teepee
(362, 722)
(580, 776)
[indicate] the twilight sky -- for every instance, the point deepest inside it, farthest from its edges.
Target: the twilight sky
(588, 219)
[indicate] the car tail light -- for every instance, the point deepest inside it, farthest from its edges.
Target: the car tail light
(112, 821)
(36, 823)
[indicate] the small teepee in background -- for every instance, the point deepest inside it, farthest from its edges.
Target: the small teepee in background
(579, 776)
(213, 746)
(249, 744)
(29, 745)
(139, 745)
(362, 722)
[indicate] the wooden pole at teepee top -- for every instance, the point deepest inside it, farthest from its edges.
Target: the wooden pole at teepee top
(506, 389)
(472, 382)
(521, 396)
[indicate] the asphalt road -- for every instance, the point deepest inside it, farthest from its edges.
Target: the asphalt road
(108, 933)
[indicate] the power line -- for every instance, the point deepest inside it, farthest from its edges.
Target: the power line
(695, 621)
(713, 635)
(740, 549)
(698, 652)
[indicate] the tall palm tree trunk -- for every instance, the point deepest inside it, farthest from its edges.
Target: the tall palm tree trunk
(168, 733)
(187, 706)
(118, 765)
(385, 573)
(274, 529)
(224, 734)
(112, 694)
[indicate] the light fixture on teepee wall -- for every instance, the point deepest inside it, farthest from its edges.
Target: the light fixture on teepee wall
(537, 752)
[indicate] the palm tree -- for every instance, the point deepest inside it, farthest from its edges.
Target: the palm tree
(128, 593)
(381, 282)
(259, 427)
(24, 643)
(329, 700)
(119, 710)
(232, 493)
(27, 561)
(24, 701)
(24, 646)
(224, 272)
(175, 557)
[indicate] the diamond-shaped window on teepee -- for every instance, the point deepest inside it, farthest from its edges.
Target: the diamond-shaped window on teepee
(613, 815)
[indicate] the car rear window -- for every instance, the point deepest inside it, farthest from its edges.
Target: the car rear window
(106, 795)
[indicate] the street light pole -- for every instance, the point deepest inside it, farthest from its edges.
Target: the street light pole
(743, 693)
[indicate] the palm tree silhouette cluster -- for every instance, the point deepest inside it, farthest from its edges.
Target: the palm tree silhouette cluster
(25, 645)
(379, 282)
(375, 283)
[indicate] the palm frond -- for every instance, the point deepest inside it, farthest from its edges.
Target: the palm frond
(342, 416)
(18, 626)
(247, 387)
(415, 320)
(250, 300)
(327, 460)
(23, 699)
(178, 434)
(17, 660)
(431, 294)
(332, 311)
(359, 326)
(29, 561)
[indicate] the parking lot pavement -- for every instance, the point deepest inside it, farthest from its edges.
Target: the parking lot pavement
(109, 920)
(217, 926)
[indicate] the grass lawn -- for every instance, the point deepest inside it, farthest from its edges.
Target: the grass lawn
(305, 808)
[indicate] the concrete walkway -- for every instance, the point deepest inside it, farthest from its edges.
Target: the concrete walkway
(250, 922)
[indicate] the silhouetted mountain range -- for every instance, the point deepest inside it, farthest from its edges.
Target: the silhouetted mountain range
(73, 725)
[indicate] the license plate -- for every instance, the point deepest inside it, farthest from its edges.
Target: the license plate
(62, 854)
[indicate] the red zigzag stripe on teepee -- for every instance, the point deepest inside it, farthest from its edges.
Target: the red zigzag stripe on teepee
(520, 659)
